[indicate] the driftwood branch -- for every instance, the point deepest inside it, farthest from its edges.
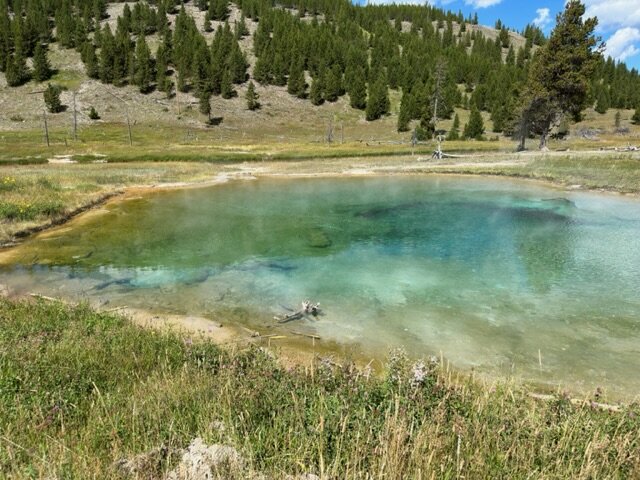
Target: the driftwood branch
(44, 297)
(577, 402)
(308, 335)
(307, 308)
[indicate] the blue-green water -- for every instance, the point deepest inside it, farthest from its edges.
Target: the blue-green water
(493, 274)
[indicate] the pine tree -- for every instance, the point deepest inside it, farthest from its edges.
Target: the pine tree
(241, 27)
(226, 87)
(162, 80)
(504, 37)
(261, 71)
(559, 77)
(498, 117)
(511, 56)
(65, 26)
(333, 84)
(406, 109)
(52, 98)
(454, 133)
(222, 9)
(617, 119)
(107, 56)
(237, 64)
(252, 97)
(97, 35)
(603, 103)
(93, 114)
(5, 35)
(202, 78)
(207, 24)
(636, 117)
(279, 70)
(204, 103)
(16, 72)
(296, 84)
(474, 129)
(316, 93)
(378, 101)
(143, 66)
(358, 90)
(218, 10)
(41, 67)
(91, 65)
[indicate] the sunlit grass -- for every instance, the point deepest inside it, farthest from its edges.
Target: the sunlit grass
(80, 390)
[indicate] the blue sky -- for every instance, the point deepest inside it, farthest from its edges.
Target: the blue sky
(619, 19)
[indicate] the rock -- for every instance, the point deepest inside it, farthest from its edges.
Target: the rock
(319, 239)
(206, 462)
(148, 465)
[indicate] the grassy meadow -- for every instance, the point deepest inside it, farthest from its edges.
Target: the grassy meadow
(80, 390)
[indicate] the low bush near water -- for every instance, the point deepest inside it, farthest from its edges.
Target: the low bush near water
(30, 210)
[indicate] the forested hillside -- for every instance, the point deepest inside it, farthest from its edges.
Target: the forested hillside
(320, 50)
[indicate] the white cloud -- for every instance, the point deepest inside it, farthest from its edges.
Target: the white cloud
(482, 3)
(614, 14)
(543, 19)
(397, 2)
(474, 3)
(620, 20)
(623, 44)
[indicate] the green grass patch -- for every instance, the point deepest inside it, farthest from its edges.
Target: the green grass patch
(81, 389)
(69, 79)
(24, 211)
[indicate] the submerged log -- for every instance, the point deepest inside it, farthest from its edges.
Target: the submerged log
(308, 335)
(307, 308)
(289, 317)
(576, 402)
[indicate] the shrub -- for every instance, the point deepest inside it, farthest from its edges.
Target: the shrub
(52, 98)
(25, 211)
(93, 114)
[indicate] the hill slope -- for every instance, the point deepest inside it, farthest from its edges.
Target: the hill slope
(484, 67)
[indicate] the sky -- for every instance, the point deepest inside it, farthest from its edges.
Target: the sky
(619, 20)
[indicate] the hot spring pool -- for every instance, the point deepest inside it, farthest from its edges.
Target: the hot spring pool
(493, 274)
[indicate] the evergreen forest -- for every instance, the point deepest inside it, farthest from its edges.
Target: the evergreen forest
(320, 50)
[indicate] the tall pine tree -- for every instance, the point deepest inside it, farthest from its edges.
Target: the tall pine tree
(316, 94)
(406, 109)
(474, 129)
(252, 97)
(454, 133)
(144, 74)
(41, 66)
(378, 101)
(357, 89)
(296, 84)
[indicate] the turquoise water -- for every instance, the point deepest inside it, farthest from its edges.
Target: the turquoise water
(495, 275)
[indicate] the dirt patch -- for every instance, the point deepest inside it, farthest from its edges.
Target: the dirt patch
(201, 326)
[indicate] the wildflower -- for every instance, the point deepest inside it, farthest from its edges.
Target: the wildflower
(419, 374)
